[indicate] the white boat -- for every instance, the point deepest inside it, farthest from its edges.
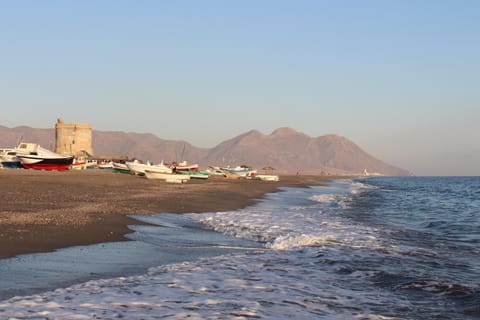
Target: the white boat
(79, 164)
(168, 177)
(216, 171)
(105, 165)
(9, 159)
(242, 171)
(120, 167)
(195, 174)
(91, 163)
(33, 156)
(267, 177)
(184, 166)
(139, 168)
(82, 163)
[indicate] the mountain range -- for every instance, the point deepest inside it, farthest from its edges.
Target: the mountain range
(285, 149)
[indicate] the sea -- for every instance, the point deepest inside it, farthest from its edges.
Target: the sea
(368, 248)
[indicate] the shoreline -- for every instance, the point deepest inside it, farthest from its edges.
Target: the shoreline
(43, 211)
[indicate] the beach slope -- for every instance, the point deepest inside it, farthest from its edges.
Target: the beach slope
(43, 210)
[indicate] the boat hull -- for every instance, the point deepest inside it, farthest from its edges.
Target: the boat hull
(11, 164)
(195, 174)
(120, 167)
(139, 168)
(241, 171)
(168, 177)
(9, 159)
(267, 177)
(58, 164)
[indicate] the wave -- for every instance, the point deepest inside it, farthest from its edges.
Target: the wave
(344, 191)
(257, 285)
(441, 287)
(331, 200)
(304, 240)
(290, 226)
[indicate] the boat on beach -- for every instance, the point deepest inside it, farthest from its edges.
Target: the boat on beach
(9, 159)
(78, 164)
(138, 168)
(120, 167)
(184, 166)
(216, 171)
(242, 171)
(33, 156)
(195, 174)
(267, 177)
(168, 177)
(105, 165)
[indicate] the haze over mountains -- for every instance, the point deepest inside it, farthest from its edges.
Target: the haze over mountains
(286, 150)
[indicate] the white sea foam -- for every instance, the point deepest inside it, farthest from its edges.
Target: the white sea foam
(341, 199)
(324, 198)
(264, 285)
(357, 186)
(283, 228)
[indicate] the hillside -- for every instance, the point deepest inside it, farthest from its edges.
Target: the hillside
(286, 150)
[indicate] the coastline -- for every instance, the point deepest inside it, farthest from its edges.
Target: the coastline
(46, 210)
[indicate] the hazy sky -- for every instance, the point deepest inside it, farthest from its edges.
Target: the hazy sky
(398, 78)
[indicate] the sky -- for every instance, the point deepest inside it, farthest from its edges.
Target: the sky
(398, 78)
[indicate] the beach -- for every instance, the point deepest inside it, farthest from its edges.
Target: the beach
(46, 210)
(366, 248)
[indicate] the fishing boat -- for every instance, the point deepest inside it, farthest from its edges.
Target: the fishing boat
(267, 177)
(184, 166)
(9, 159)
(105, 165)
(120, 167)
(138, 168)
(33, 156)
(79, 164)
(195, 174)
(242, 171)
(168, 177)
(216, 171)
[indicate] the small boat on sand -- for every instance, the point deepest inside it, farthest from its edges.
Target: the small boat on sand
(168, 177)
(216, 171)
(105, 165)
(195, 174)
(184, 166)
(139, 168)
(267, 177)
(9, 159)
(120, 167)
(242, 171)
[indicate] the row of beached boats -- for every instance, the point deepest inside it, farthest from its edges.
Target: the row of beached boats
(182, 172)
(33, 156)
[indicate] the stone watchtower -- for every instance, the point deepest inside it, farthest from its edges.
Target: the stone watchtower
(73, 139)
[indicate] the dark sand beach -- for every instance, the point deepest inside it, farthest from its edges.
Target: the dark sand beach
(41, 211)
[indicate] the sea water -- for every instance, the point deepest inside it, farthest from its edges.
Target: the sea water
(374, 248)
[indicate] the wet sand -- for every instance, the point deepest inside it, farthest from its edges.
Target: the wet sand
(41, 211)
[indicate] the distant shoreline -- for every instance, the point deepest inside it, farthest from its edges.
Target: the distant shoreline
(42, 211)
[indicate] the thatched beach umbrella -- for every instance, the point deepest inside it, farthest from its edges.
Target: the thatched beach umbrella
(268, 169)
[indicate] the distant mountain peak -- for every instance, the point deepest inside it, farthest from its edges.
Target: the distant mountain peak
(252, 132)
(284, 131)
(335, 138)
